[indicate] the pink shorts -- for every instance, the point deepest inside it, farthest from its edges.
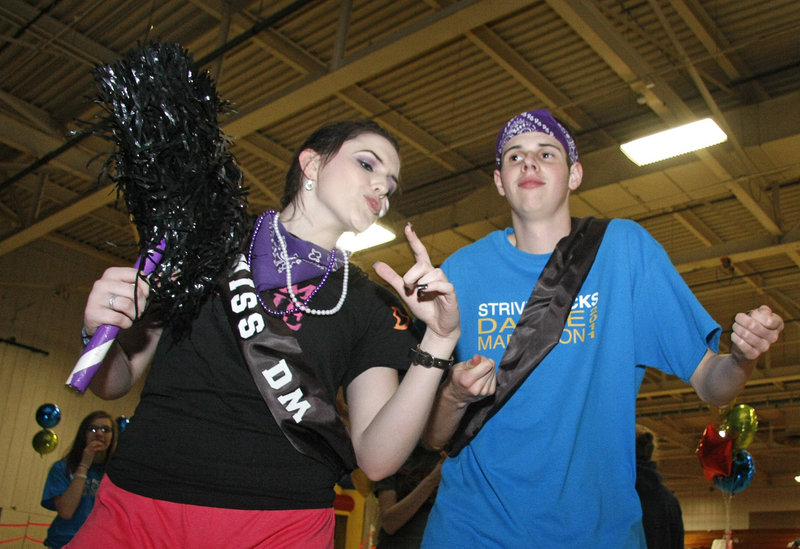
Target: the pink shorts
(124, 520)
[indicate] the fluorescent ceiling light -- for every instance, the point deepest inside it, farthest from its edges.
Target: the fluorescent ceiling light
(669, 143)
(373, 236)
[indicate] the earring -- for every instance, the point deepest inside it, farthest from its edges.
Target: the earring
(309, 185)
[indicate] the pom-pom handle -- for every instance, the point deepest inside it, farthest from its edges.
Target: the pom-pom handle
(97, 348)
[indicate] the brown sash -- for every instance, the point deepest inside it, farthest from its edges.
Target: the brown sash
(540, 324)
(296, 398)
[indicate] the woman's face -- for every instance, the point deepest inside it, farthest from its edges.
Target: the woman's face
(100, 432)
(353, 187)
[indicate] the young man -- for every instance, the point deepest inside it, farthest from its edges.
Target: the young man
(555, 465)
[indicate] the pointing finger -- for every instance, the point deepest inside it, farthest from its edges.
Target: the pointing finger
(420, 252)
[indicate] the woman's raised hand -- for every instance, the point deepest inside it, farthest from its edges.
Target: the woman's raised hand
(425, 290)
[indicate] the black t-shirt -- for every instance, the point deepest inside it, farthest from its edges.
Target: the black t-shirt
(202, 434)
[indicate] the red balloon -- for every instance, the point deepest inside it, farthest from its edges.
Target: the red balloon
(714, 453)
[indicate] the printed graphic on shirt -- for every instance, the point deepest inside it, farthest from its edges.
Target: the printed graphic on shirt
(91, 486)
(497, 321)
(282, 301)
(401, 320)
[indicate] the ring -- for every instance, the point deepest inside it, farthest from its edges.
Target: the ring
(111, 301)
(421, 288)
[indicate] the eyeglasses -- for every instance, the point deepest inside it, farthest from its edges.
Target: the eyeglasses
(102, 428)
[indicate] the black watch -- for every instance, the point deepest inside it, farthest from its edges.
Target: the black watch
(418, 356)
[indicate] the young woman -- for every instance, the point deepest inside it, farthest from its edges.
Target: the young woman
(236, 441)
(73, 481)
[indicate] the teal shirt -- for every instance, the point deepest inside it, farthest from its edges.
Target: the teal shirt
(61, 531)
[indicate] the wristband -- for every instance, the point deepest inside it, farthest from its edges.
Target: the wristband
(418, 356)
(85, 337)
(79, 475)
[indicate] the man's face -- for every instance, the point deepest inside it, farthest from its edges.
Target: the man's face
(534, 175)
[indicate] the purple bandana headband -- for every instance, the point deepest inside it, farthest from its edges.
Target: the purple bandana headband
(536, 121)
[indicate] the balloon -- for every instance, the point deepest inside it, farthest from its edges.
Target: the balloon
(45, 441)
(714, 453)
(742, 471)
(48, 416)
(122, 423)
(741, 424)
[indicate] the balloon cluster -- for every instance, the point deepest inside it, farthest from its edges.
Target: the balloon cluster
(723, 451)
(47, 416)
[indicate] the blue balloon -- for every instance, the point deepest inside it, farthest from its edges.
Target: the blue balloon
(742, 471)
(122, 423)
(48, 416)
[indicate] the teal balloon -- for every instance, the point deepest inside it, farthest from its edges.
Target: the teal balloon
(122, 423)
(741, 424)
(48, 416)
(742, 471)
(45, 441)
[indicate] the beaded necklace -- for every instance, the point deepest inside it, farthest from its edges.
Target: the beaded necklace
(284, 257)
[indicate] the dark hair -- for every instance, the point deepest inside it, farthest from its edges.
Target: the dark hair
(645, 444)
(75, 453)
(326, 141)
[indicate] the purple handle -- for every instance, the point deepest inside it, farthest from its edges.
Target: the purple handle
(97, 348)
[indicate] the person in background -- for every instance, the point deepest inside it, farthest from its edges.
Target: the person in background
(73, 481)
(552, 464)
(661, 511)
(405, 499)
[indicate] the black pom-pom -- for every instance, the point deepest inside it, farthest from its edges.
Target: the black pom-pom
(171, 163)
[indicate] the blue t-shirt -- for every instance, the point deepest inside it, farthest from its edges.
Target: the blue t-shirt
(556, 467)
(58, 480)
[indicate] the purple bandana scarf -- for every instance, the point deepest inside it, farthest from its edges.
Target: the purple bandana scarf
(535, 121)
(307, 260)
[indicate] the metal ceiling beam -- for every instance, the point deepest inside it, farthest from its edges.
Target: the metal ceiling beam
(788, 308)
(410, 132)
(694, 225)
(95, 52)
(32, 114)
(68, 214)
(593, 27)
(267, 150)
(737, 251)
(761, 209)
(104, 258)
(354, 95)
(535, 82)
(37, 143)
(430, 31)
(416, 39)
(715, 43)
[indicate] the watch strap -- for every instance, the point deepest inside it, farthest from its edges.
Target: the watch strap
(418, 356)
